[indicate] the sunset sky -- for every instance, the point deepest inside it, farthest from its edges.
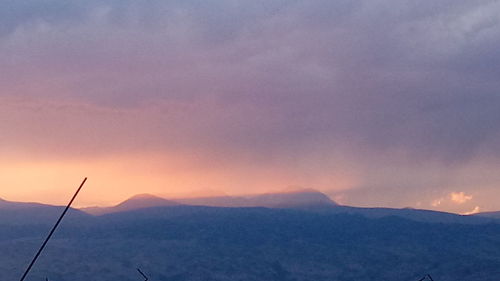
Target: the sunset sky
(376, 103)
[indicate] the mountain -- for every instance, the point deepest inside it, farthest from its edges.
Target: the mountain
(11, 205)
(270, 200)
(304, 237)
(139, 201)
(188, 243)
(315, 201)
(293, 199)
(408, 213)
(307, 200)
(494, 215)
(25, 213)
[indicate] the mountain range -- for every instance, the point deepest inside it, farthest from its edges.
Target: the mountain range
(302, 198)
(292, 236)
(310, 200)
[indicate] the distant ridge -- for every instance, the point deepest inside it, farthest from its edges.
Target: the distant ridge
(29, 212)
(5, 204)
(143, 201)
(216, 243)
(305, 200)
(135, 202)
(299, 198)
(495, 215)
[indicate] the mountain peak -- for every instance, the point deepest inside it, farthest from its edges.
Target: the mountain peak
(144, 196)
(140, 201)
(135, 202)
(296, 198)
(289, 199)
(294, 189)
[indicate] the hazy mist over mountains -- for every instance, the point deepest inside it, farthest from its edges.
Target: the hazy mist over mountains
(271, 200)
(288, 236)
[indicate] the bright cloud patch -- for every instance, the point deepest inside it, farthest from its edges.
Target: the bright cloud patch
(460, 197)
(474, 211)
(436, 202)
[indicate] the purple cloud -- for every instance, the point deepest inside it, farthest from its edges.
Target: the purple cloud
(403, 81)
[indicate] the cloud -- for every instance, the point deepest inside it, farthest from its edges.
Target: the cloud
(375, 82)
(376, 95)
(474, 211)
(460, 197)
(437, 202)
(454, 198)
(455, 202)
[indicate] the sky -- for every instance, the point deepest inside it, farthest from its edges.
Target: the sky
(389, 103)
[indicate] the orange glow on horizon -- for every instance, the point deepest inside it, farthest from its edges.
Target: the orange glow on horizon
(114, 179)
